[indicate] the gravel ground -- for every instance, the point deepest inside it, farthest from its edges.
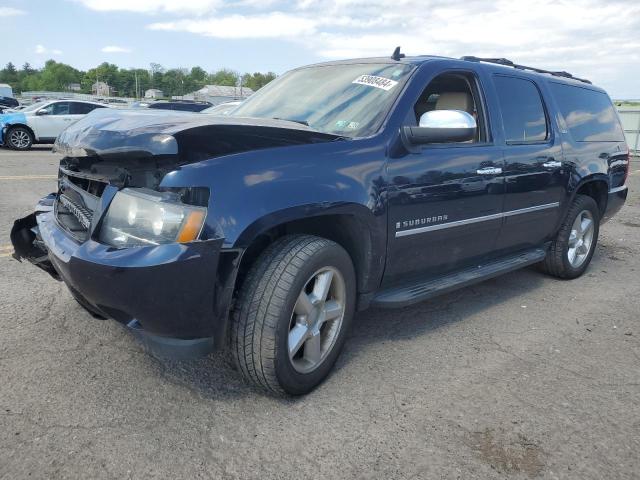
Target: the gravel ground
(523, 376)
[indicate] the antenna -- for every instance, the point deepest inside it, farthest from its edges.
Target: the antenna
(397, 55)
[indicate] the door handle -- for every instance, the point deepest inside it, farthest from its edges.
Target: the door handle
(552, 164)
(489, 171)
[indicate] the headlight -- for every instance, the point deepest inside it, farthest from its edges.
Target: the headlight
(145, 217)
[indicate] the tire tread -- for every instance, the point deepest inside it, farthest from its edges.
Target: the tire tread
(260, 302)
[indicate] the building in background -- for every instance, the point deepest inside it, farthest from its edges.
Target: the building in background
(216, 94)
(101, 89)
(153, 93)
(74, 87)
(629, 112)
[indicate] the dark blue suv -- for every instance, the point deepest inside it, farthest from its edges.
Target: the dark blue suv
(372, 182)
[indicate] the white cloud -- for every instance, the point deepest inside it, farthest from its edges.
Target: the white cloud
(115, 49)
(197, 7)
(10, 12)
(42, 50)
(590, 38)
(271, 25)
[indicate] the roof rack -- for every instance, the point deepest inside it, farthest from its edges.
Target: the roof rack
(509, 63)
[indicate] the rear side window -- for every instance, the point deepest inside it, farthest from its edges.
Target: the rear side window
(79, 108)
(589, 114)
(522, 111)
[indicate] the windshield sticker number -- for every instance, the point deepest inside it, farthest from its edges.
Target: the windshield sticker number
(377, 82)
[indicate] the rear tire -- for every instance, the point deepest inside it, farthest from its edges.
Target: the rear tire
(573, 247)
(19, 138)
(293, 311)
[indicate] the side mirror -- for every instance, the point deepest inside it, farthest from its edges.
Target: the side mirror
(441, 126)
(43, 111)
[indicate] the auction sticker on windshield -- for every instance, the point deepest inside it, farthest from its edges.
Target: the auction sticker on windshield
(373, 81)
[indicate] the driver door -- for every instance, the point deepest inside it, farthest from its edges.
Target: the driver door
(445, 200)
(51, 120)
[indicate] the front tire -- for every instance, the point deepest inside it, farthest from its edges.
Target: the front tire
(573, 247)
(293, 311)
(19, 138)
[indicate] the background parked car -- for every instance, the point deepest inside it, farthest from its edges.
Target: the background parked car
(221, 109)
(41, 122)
(8, 102)
(181, 105)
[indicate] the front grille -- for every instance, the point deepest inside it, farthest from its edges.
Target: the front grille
(83, 215)
(77, 199)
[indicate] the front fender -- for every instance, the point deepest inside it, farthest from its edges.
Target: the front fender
(256, 190)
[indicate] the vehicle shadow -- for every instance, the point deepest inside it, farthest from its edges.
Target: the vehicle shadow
(384, 325)
(215, 378)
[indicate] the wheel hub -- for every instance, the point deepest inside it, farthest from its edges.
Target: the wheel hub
(316, 320)
(580, 239)
(19, 139)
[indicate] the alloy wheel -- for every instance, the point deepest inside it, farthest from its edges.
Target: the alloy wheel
(580, 239)
(19, 139)
(316, 319)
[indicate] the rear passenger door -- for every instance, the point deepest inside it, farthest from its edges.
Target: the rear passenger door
(535, 176)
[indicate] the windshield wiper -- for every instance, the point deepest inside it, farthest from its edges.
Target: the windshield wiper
(295, 120)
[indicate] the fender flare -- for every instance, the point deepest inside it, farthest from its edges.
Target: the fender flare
(366, 248)
(23, 125)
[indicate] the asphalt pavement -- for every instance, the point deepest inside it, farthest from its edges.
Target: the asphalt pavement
(523, 376)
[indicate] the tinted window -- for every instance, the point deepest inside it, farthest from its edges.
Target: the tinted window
(589, 114)
(79, 108)
(522, 111)
(183, 107)
(161, 106)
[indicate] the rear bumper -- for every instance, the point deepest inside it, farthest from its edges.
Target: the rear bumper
(165, 294)
(615, 201)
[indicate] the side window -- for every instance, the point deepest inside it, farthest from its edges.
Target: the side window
(60, 108)
(79, 108)
(453, 91)
(589, 114)
(522, 111)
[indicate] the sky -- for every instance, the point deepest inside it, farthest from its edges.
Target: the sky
(598, 40)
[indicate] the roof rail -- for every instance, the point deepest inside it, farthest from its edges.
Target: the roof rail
(509, 63)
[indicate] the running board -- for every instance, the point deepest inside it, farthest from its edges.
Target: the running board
(408, 294)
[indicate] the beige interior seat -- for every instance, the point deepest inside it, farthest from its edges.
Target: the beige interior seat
(455, 101)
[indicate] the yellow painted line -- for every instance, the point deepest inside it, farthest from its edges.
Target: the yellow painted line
(3, 255)
(27, 177)
(4, 248)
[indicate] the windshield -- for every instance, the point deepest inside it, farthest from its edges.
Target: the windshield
(35, 106)
(347, 100)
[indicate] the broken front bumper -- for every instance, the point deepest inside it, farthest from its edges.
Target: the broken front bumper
(164, 293)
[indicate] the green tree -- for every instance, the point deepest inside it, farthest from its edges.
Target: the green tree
(224, 77)
(9, 75)
(257, 80)
(57, 76)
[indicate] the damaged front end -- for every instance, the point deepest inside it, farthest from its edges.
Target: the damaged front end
(26, 239)
(128, 248)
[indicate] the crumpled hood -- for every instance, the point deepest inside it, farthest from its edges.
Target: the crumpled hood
(113, 132)
(138, 147)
